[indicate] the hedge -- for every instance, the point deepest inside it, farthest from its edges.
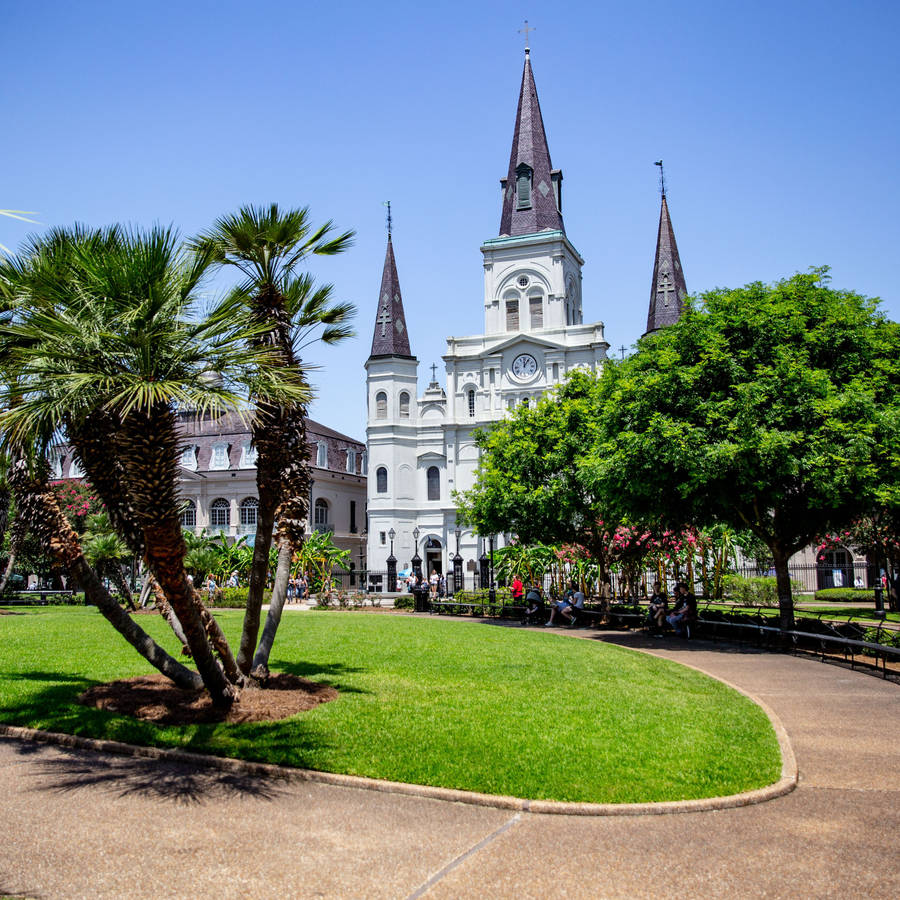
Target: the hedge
(845, 595)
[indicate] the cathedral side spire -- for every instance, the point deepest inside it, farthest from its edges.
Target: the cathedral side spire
(532, 189)
(390, 337)
(668, 289)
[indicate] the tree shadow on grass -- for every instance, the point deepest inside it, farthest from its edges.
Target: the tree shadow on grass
(176, 782)
(324, 673)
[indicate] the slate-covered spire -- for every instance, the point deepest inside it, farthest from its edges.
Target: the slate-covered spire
(390, 337)
(668, 290)
(532, 189)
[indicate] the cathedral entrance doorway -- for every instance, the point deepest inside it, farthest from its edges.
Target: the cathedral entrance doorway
(434, 557)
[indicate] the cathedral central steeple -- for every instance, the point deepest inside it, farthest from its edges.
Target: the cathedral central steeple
(532, 189)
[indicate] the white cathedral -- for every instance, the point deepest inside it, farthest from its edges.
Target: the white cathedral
(420, 449)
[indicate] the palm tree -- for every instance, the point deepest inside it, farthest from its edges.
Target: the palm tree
(266, 245)
(107, 340)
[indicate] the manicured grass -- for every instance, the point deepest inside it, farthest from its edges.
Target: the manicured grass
(461, 705)
(828, 611)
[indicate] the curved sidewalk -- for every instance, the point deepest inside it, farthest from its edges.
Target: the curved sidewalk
(82, 824)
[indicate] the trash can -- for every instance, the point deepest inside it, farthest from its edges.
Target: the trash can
(421, 598)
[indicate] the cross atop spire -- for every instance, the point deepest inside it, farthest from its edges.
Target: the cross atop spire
(391, 337)
(532, 189)
(525, 31)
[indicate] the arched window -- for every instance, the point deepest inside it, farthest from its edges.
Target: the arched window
(320, 513)
(512, 313)
(381, 405)
(404, 405)
(219, 514)
(248, 512)
(536, 310)
(471, 404)
(381, 480)
(434, 483)
(189, 515)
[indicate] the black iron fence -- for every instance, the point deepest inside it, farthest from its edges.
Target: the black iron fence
(807, 578)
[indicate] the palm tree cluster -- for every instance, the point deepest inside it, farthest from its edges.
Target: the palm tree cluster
(105, 337)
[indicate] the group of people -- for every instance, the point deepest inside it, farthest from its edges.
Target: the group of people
(679, 619)
(683, 613)
(436, 584)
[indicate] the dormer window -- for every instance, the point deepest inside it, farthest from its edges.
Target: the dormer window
(351, 461)
(322, 454)
(523, 186)
(219, 459)
(189, 458)
(248, 456)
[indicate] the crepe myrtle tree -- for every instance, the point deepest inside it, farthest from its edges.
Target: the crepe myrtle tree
(772, 408)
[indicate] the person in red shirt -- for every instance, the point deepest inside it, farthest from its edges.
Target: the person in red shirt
(518, 590)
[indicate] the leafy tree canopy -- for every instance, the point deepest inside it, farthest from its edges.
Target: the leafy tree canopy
(771, 407)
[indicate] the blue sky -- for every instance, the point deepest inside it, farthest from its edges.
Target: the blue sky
(777, 122)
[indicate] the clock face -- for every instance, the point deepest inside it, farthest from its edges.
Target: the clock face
(524, 365)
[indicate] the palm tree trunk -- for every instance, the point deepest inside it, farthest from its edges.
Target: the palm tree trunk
(10, 565)
(38, 506)
(165, 556)
(165, 610)
(276, 606)
(122, 586)
(259, 571)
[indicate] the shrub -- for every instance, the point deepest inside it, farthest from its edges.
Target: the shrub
(232, 598)
(760, 591)
(405, 601)
(844, 595)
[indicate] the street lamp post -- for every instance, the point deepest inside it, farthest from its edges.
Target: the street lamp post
(457, 565)
(492, 595)
(879, 589)
(392, 565)
(416, 560)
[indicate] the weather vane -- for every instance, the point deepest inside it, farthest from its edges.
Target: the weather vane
(525, 31)
(662, 177)
(387, 203)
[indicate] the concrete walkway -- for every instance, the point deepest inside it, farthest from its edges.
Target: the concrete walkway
(82, 824)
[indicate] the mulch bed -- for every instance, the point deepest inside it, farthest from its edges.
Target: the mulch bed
(155, 699)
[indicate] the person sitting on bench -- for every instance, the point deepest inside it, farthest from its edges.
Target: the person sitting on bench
(573, 601)
(659, 606)
(685, 611)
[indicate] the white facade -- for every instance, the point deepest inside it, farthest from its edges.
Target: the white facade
(421, 451)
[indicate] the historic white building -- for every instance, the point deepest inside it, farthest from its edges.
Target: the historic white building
(421, 448)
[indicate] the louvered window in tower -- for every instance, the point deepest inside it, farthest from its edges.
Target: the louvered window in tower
(536, 311)
(523, 187)
(512, 315)
(434, 483)
(404, 405)
(381, 480)
(381, 405)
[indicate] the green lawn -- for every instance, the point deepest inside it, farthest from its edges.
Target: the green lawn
(428, 701)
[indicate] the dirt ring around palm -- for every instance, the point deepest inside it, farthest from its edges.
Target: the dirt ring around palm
(154, 698)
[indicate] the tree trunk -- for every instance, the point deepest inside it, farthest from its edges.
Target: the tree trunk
(165, 556)
(783, 581)
(165, 610)
(259, 571)
(10, 565)
(276, 606)
(39, 508)
(122, 586)
(148, 586)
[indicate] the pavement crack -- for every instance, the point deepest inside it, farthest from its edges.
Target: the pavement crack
(421, 890)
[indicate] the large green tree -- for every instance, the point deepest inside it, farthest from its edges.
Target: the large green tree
(772, 408)
(528, 479)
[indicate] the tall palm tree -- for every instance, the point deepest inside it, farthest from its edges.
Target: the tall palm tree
(266, 245)
(107, 341)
